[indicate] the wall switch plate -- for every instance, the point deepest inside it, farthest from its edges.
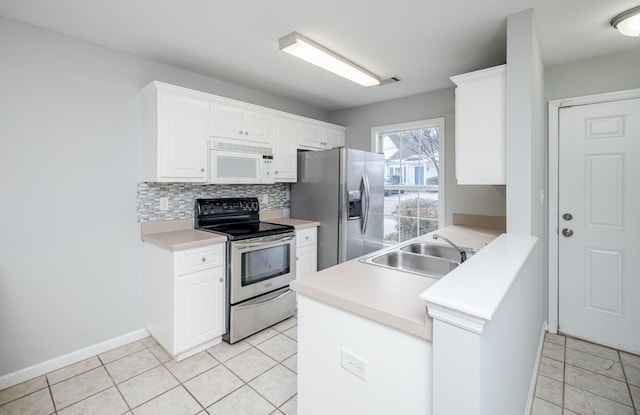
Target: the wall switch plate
(164, 203)
(354, 364)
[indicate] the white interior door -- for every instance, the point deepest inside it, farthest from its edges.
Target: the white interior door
(599, 222)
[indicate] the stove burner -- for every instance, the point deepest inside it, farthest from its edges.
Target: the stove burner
(237, 218)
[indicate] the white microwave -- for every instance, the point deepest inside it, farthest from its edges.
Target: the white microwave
(239, 164)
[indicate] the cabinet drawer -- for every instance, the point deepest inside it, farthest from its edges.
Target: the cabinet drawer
(191, 260)
(305, 237)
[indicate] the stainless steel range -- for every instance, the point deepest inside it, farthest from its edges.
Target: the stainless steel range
(261, 262)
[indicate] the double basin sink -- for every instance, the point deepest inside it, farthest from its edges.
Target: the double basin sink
(422, 258)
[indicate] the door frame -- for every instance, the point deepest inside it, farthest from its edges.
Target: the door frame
(554, 153)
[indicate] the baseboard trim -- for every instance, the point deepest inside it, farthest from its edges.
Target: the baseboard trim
(536, 367)
(40, 369)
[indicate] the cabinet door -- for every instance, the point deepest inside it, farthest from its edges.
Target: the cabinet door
(226, 121)
(333, 138)
(285, 143)
(481, 126)
(198, 259)
(200, 307)
(306, 260)
(306, 237)
(181, 138)
(255, 127)
(310, 135)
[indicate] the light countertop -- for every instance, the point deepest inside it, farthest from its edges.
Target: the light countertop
(179, 234)
(184, 239)
(388, 296)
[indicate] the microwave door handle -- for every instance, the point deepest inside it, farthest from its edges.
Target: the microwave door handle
(367, 199)
(269, 241)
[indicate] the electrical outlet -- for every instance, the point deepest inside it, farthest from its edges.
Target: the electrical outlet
(164, 203)
(265, 199)
(354, 364)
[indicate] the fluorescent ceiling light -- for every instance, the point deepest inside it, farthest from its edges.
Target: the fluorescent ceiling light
(628, 23)
(308, 50)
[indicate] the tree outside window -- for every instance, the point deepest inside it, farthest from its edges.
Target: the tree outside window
(412, 180)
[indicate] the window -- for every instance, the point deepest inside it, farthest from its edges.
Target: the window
(414, 177)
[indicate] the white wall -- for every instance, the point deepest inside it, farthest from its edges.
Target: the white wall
(509, 345)
(614, 72)
(70, 159)
(526, 159)
(482, 200)
(398, 365)
(487, 329)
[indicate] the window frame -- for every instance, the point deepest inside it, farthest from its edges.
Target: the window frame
(377, 146)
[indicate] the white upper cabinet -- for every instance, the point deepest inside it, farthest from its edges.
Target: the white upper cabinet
(481, 126)
(315, 136)
(179, 121)
(239, 124)
(310, 135)
(333, 137)
(175, 134)
(285, 132)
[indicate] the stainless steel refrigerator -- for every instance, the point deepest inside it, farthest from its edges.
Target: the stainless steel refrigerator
(343, 190)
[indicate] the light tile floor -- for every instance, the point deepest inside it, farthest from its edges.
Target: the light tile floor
(256, 376)
(578, 377)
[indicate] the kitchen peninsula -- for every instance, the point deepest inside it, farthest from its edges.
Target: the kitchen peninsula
(367, 330)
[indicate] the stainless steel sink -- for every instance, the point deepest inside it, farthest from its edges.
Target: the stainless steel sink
(422, 258)
(419, 264)
(440, 251)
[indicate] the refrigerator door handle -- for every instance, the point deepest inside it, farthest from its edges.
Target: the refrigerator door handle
(367, 195)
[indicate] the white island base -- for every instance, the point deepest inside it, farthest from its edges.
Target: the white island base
(475, 353)
(389, 370)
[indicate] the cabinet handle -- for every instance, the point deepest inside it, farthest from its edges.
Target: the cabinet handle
(246, 133)
(240, 132)
(202, 170)
(204, 259)
(276, 171)
(221, 279)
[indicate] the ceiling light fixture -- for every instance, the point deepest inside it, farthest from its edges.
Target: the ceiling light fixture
(308, 50)
(628, 23)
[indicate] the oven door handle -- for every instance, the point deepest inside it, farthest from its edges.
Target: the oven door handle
(267, 240)
(265, 299)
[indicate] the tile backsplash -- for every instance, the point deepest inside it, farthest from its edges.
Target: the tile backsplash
(181, 197)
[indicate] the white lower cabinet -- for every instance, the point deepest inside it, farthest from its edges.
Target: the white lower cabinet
(306, 252)
(185, 297)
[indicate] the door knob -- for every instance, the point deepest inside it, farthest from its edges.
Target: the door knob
(567, 232)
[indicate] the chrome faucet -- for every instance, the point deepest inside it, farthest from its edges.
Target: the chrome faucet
(463, 254)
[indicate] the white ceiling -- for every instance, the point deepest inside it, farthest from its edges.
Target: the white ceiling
(422, 42)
